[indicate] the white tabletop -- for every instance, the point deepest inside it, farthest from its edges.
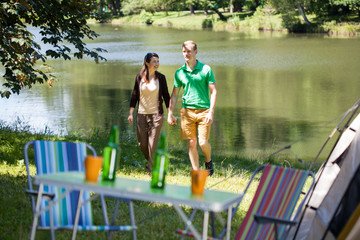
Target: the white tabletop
(211, 200)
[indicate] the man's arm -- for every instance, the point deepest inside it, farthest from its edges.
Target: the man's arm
(213, 96)
(173, 99)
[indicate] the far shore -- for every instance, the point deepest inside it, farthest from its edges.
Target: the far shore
(239, 22)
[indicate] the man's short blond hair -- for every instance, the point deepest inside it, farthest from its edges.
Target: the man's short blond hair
(190, 42)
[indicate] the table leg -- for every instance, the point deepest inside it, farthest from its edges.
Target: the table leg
(114, 215)
(132, 218)
(213, 224)
(77, 215)
(187, 222)
(205, 225)
(228, 225)
(104, 209)
(36, 213)
(190, 219)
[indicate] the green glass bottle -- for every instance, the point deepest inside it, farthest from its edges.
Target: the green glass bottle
(160, 163)
(111, 155)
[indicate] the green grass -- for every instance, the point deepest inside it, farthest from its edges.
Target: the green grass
(264, 19)
(232, 173)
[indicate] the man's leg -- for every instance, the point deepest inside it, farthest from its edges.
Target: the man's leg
(188, 131)
(204, 134)
(206, 149)
(193, 153)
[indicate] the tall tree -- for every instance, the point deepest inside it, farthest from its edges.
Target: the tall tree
(59, 21)
(285, 6)
(354, 5)
(115, 6)
(238, 5)
(191, 4)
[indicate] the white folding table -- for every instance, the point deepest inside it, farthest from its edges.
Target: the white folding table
(127, 188)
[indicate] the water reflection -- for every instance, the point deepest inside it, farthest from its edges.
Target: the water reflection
(273, 88)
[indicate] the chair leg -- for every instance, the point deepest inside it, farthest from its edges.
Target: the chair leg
(276, 233)
(37, 209)
(77, 215)
(52, 223)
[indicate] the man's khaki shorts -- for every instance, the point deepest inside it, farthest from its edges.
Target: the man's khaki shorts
(192, 120)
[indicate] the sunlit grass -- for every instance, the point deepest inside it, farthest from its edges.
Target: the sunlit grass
(264, 19)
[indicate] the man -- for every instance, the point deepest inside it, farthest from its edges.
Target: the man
(198, 106)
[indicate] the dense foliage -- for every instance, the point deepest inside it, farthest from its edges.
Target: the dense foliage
(310, 6)
(58, 21)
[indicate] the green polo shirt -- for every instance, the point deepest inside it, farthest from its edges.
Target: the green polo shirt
(196, 85)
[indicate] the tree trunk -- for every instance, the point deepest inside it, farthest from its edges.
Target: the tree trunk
(303, 14)
(231, 5)
(116, 8)
(192, 11)
(238, 7)
(222, 17)
(113, 8)
(118, 4)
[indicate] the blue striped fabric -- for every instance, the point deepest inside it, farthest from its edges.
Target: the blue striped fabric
(53, 157)
(99, 228)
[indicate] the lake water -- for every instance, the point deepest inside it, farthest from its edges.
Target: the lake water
(273, 88)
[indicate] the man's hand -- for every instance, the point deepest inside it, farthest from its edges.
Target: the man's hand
(171, 119)
(209, 118)
(173, 98)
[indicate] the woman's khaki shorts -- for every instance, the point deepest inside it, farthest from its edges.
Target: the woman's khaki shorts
(192, 119)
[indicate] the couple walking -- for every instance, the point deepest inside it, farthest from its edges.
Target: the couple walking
(197, 112)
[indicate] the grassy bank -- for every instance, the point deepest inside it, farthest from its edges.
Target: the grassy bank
(264, 19)
(15, 210)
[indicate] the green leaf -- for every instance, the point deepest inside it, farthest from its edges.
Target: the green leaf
(12, 11)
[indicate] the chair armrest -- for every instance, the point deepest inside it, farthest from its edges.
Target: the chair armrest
(51, 196)
(265, 219)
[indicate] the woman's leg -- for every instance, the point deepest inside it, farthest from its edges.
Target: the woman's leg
(142, 135)
(154, 134)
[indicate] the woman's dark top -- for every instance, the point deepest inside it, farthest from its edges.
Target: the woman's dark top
(163, 92)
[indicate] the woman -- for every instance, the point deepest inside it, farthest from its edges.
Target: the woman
(150, 91)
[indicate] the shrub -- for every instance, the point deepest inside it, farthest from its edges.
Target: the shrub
(146, 17)
(207, 23)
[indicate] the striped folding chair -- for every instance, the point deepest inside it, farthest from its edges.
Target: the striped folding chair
(272, 210)
(58, 156)
(271, 213)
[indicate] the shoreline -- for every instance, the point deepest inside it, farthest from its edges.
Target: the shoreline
(238, 22)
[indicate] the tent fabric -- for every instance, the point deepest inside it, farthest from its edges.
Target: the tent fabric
(355, 231)
(332, 180)
(347, 207)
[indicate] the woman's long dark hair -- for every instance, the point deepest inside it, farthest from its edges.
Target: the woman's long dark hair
(144, 73)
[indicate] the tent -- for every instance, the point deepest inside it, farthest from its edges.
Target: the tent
(332, 210)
